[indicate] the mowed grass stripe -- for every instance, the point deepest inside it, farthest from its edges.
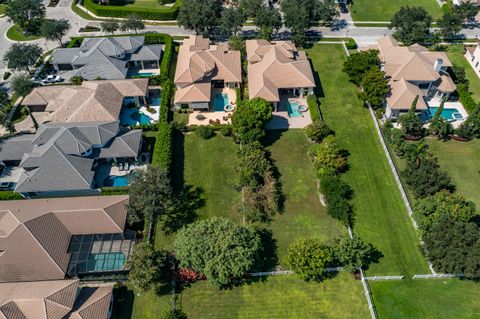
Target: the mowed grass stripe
(381, 216)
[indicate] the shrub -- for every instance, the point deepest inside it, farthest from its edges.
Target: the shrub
(226, 130)
(107, 191)
(317, 131)
(351, 44)
(313, 107)
(379, 113)
(339, 208)
(333, 186)
(205, 132)
(466, 97)
(354, 253)
(10, 195)
(327, 157)
(166, 13)
(308, 258)
(357, 64)
(180, 126)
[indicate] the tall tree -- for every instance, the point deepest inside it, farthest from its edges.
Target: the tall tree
(150, 195)
(55, 30)
(252, 7)
(21, 84)
(250, 118)
(375, 87)
(466, 10)
(219, 248)
(269, 21)
(359, 63)
(232, 21)
(200, 16)
(411, 123)
(109, 26)
(236, 43)
(354, 253)
(415, 152)
(148, 267)
(450, 24)
(28, 14)
(299, 16)
(21, 56)
(411, 25)
(133, 22)
(328, 12)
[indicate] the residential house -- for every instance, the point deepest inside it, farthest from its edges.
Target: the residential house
(472, 54)
(61, 158)
(112, 58)
(58, 238)
(205, 72)
(54, 299)
(414, 71)
(93, 101)
(276, 69)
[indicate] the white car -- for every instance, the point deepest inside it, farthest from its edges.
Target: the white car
(52, 79)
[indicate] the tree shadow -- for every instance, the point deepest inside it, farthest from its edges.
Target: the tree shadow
(186, 203)
(271, 137)
(178, 162)
(122, 303)
(319, 92)
(267, 258)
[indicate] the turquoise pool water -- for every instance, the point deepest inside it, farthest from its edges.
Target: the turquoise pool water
(145, 75)
(292, 108)
(106, 262)
(116, 181)
(219, 102)
(447, 114)
(132, 117)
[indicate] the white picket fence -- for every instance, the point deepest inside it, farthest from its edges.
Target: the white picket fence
(438, 276)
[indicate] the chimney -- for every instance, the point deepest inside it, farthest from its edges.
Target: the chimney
(438, 65)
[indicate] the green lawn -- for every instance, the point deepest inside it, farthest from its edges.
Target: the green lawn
(304, 215)
(381, 217)
(15, 34)
(460, 160)
(426, 299)
(141, 4)
(383, 10)
(3, 7)
(456, 55)
(276, 297)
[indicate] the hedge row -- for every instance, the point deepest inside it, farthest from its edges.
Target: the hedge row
(313, 107)
(466, 98)
(167, 13)
(107, 191)
(162, 153)
(10, 195)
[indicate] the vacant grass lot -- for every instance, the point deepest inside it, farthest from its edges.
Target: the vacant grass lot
(456, 55)
(426, 299)
(280, 297)
(381, 217)
(383, 10)
(460, 161)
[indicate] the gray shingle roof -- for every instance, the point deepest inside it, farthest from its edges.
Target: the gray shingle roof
(124, 145)
(106, 57)
(13, 148)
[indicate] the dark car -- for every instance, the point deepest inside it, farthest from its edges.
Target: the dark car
(6, 186)
(343, 8)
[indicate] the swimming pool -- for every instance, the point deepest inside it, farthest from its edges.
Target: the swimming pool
(293, 110)
(145, 75)
(447, 114)
(106, 262)
(219, 102)
(133, 116)
(116, 181)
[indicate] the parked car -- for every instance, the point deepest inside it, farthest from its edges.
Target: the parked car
(343, 8)
(6, 186)
(52, 79)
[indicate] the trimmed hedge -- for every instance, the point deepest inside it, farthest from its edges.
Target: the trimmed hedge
(167, 13)
(466, 97)
(106, 191)
(313, 107)
(351, 44)
(10, 195)
(162, 153)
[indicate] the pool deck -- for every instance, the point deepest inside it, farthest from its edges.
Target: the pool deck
(221, 116)
(451, 105)
(281, 120)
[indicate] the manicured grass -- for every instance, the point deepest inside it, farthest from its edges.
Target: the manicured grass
(303, 215)
(460, 160)
(145, 4)
(15, 34)
(456, 55)
(283, 297)
(3, 7)
(381, 217)
(426, 299)
(383, 10)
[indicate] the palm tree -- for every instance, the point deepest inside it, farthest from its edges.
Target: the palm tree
(415, 152)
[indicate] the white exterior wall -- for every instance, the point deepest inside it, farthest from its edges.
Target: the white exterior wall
(474, 59)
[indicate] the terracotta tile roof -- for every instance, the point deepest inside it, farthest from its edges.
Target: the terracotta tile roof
(93, 101)
(273, 66)
(402, 95)
(200, 63)
(35, 234)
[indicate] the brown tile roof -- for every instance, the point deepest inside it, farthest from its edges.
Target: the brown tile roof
(402, 95)
(200, 63)
(59, 299)
(93, 101)
(273, 66)
(36, 233)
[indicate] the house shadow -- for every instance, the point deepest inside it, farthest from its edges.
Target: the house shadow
(319, 92)
(123, 303)
(278, 123)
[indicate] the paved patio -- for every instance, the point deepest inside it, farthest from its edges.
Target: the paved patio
(283, 120)
(204, 118)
